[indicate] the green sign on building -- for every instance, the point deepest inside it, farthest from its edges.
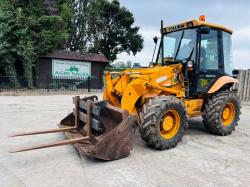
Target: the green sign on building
(70, 69)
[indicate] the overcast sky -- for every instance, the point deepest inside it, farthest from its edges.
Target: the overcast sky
(233, 14)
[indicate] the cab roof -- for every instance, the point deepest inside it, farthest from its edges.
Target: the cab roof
(192, 24)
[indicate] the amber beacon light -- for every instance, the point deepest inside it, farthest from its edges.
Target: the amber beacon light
(202, 18)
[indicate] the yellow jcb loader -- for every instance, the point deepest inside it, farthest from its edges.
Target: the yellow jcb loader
(191, 76)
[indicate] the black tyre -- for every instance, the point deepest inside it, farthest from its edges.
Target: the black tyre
(221, 113)
(163, 122)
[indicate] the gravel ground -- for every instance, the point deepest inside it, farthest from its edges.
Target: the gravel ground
(201, 159)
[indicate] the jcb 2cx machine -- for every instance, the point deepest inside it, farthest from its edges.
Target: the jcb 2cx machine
(191, 76)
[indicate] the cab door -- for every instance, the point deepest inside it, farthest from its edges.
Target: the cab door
(210, 63)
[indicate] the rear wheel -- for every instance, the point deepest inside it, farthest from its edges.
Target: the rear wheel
(163, 122)
(221, 113)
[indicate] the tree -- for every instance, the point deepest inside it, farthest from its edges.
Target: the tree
(12, 45)
(29, 29)
(79, 28)
(112, 30)
(136, 65)
(119, 65)
(101, 26)
(129, 64)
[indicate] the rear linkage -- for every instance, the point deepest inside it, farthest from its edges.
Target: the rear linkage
(96, 129)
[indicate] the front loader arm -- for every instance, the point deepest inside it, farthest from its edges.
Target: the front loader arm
(108, 95)
(131, 85)
(133, 92)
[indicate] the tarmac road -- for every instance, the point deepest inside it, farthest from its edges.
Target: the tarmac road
(201, 159)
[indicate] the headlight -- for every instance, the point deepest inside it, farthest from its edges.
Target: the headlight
(190, 64)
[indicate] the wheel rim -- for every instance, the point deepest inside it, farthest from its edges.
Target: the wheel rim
(228, 114)
(170, 124)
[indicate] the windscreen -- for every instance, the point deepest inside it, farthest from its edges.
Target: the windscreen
(179, 45)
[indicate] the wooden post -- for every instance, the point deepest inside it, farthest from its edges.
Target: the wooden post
(241, 84)
(248, 86)
(77, 102)
(89, 119)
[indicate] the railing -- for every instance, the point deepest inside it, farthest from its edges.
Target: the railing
(51, 84)
(88, 84)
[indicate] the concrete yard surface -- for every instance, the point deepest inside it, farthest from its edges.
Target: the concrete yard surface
(201, 159)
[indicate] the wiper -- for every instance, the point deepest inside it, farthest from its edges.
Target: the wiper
(179, 46)
(188, 58)
(191, 54)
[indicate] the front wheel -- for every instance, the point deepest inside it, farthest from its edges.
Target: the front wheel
(221, 113)
(163, 122)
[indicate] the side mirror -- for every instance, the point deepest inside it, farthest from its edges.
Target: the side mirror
(155, 40)
(205, 30)
(235, 72)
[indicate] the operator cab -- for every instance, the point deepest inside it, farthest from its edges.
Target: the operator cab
(205, 50)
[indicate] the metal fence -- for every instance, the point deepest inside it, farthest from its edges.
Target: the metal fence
(51, 84)
(243, 86)
(88, 84)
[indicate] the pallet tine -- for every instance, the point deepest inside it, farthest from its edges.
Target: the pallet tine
(76, 102)
(44, 132)
(59, 143)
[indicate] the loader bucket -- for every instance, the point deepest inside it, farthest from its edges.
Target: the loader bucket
(96, 129)
(110, 133)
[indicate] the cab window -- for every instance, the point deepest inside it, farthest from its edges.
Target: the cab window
(187, 45)
(169, 46)
(178, 45)
(227, 52)
(209, 56)
(159, 58)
